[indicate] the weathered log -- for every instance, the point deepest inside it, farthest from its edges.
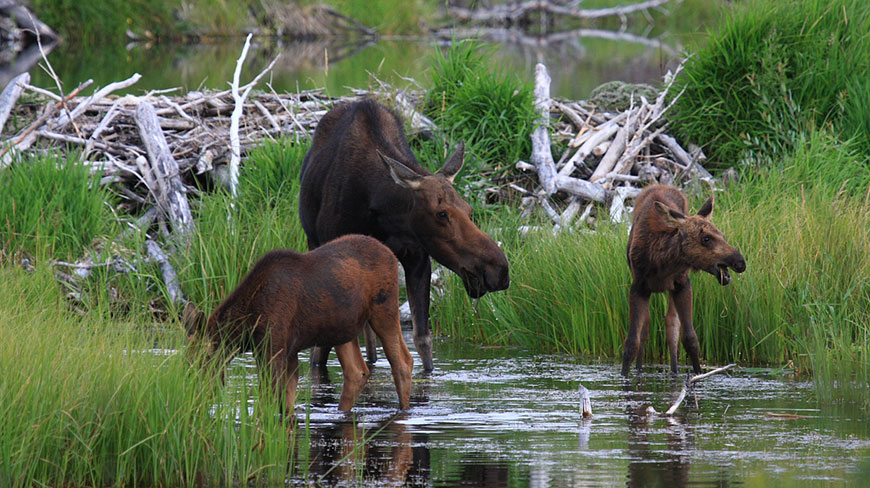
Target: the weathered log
(170, 279)
(581, 188)
(10, 96)
(542, 156)
(162, 174)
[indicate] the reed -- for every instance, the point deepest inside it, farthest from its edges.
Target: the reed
(233, 233)
(52, 206)
(89, 401)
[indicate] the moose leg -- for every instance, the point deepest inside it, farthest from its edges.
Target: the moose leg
(385, 322)
(418, 274)
(319, 355)
(672, 332)
(371, 345)
(355, 373)
(682, 296)
(638, 319)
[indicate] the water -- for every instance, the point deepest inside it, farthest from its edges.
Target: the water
(503, 417)
(577, 63)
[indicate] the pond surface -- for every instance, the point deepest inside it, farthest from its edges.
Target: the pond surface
(577, 62)
(505, 418)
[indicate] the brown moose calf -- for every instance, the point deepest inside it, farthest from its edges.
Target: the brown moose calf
(290, 301)
(664, 245)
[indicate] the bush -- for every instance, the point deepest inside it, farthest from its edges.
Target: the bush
(490, 109)
(774, 71)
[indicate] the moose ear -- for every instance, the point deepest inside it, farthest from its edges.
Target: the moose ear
(193, 319)
(402, 175)
(669, 216)
(706, 210)
(453, 164)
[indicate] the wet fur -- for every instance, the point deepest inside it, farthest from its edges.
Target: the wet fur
(665, 244)
(360, 176)
(290, 301)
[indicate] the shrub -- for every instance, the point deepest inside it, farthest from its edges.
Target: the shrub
(488, 108)
(773, 71)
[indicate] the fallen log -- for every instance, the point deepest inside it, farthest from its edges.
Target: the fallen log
(161, 175)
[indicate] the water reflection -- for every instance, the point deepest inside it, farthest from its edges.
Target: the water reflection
(577, 61)
(648, 464)
(381, 453)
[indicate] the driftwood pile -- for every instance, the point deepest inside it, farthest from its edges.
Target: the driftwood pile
(609, 156)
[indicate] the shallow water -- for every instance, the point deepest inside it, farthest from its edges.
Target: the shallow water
(503, 417)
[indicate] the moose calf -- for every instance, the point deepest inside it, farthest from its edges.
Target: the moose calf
(664, 245)
(290, 301)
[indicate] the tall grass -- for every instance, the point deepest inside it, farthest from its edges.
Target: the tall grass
(488, 108)
(804, 298)
(52, 207)
(233, 234)
(86, 401)
(774, 71)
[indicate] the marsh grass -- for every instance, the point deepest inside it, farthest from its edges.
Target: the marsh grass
(804, 299)
(52, 206)
(88, 401)
(233, 234)
(772, 72)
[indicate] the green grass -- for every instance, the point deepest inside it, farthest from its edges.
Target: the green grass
(232, 235)
(488, 108)
(805, 297)
(52, 206)
(86, 403)
(772, 72)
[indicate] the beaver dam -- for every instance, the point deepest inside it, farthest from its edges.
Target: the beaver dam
(153, 149)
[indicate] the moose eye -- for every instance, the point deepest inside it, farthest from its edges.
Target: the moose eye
(442, 215)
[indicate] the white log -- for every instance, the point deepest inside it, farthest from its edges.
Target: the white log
(238, 109)
(610, 157)
(542, 156)
(10, 96)
(601, 134)
(163, 172)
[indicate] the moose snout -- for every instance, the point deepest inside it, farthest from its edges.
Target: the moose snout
(737, 263)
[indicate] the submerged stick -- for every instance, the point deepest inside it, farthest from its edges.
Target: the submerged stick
(689, 383)
(585, 402)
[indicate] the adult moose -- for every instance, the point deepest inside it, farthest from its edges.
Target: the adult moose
(360, 176)
(289, 302)
(665, 243)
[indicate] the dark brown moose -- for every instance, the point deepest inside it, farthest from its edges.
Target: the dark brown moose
(290, 301)
(360, 176)
(664, 245)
